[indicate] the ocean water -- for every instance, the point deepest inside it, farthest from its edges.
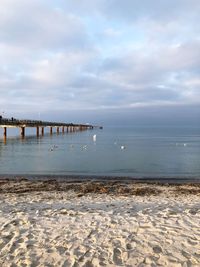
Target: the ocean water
(118, 151)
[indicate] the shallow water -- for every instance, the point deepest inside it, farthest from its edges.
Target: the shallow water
(117, 151)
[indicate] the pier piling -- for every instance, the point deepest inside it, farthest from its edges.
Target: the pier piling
(22, 132)
(37, 131)
(5, 132)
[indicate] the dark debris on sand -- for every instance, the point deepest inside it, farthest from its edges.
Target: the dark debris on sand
(24, 185)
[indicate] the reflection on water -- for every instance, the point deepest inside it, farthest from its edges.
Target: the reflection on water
(147, 152)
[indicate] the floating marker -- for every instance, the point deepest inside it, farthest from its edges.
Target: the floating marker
(94, 137)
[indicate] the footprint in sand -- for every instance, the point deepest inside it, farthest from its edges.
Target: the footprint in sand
(157, 249)
(8, 236)
(193, 211)
(88, 264)
(129, 246)
(117, 256)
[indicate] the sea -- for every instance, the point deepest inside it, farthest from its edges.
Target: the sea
(141, 152)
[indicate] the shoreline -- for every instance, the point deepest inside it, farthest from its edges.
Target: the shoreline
(102, 178)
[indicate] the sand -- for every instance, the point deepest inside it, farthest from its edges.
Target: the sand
(132, 225)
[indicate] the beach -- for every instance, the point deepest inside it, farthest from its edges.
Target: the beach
(56, 223)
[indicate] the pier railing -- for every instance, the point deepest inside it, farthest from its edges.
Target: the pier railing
(34, 123)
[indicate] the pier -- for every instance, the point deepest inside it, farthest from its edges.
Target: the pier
(6, 123)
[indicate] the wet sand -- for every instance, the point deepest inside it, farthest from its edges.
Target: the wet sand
(52, 223)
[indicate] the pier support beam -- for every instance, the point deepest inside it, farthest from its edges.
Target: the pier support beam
(37, 131)
(22, 132)
(4, 132)
(58, 129)
(42, 131)
(63, 129)
(51, 130)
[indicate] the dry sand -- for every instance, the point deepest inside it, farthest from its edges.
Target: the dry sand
(94, 224)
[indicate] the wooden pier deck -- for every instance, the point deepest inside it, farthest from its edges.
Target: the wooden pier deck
(40, 125)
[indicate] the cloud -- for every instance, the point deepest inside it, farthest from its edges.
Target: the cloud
(104, 54)
(132, 10)
(32, 24)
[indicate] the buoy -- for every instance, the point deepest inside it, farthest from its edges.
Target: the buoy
(94, 137)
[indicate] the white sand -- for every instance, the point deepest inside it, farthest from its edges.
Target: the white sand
(62, 229)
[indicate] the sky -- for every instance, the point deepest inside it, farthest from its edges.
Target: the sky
(100, 60)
